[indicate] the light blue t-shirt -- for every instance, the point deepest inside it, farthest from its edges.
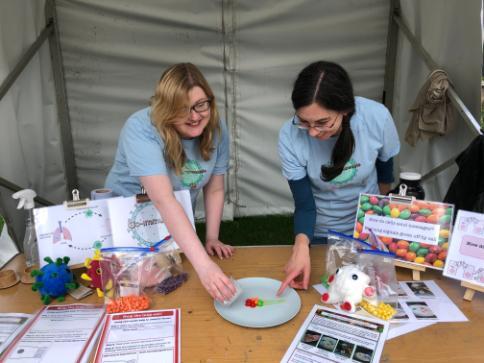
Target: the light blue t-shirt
(336, 201)
(140, 153)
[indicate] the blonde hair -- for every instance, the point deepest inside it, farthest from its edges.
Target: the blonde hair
(170, 102)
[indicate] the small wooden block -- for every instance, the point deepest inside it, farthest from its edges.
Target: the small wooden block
(470, 290)
(416, 275)
(416, 269)
(469, 294)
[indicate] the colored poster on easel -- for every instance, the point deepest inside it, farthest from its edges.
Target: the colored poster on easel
(72, 232)
(417, 231)
(465, 260)
(139, 224)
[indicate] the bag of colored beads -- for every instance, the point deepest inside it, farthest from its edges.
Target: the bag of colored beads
(173, 274)
(128, 270)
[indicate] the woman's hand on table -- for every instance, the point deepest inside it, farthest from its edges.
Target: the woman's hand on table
(216, 247)
(217, 284)
(298, 268)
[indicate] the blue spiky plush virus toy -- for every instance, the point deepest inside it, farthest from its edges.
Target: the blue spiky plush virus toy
(54, 280)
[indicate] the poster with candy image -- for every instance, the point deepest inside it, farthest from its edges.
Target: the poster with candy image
(417, 231)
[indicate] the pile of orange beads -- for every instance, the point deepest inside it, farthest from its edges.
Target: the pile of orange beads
(128, 303)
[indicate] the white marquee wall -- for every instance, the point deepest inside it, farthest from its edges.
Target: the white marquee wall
(30, 153)
(250, 51)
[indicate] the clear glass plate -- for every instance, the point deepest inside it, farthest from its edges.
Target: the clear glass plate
(265, 316)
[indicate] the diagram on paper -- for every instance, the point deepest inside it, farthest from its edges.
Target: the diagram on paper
(72, 232)
(464, 271)
(145, 225)
(140, 224)
(471, 225)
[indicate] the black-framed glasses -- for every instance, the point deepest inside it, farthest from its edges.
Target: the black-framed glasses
(201, 106)
(305, 125)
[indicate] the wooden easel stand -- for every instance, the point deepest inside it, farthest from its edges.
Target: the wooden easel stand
(416, 269)
(470, 290)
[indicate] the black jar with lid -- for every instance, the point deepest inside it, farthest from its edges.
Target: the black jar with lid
(412, 181)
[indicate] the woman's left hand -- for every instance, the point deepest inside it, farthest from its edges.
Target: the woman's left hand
(214, 246)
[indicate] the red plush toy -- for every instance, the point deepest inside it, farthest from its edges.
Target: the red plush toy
(98, 274)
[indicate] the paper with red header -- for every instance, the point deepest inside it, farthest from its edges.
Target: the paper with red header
(66, 331)
(140, 336)
(11, 324)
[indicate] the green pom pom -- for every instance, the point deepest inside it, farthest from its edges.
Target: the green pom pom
(324, 281)
(36, 273)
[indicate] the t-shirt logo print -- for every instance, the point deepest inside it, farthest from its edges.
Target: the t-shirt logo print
(348, 173)
(192, 174)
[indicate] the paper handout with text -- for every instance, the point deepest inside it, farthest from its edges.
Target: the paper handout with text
(329, 335)
(140, 336)
(11, 324)
(57, 331)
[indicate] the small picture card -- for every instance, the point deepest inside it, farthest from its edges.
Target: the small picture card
(465, 260)
(417, 231)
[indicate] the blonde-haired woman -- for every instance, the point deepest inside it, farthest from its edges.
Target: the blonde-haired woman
(178, 143)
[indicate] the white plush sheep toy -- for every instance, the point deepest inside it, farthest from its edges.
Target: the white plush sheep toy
(347, 287)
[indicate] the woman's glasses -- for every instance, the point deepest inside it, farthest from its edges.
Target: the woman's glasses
(202, 106)
(305, 125)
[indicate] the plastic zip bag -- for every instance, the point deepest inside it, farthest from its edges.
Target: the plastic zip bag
(130, 271)
(171, 274)
(123, 270)
(342, 251)
(380, 267)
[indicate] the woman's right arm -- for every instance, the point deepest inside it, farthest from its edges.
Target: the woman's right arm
(298, 268)
(160, 191)
(384, 172)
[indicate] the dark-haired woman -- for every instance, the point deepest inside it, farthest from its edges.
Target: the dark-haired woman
(334, 148)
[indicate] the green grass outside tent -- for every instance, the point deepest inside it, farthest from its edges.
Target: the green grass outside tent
(254, 231)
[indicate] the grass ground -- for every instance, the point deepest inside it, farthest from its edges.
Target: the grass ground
(252, 231)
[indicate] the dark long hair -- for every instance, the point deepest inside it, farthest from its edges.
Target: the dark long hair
(328, 85)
